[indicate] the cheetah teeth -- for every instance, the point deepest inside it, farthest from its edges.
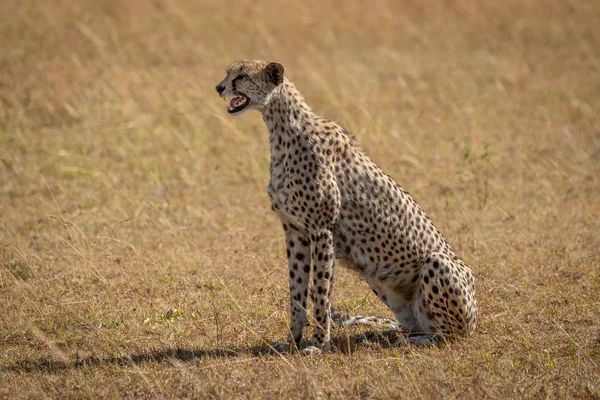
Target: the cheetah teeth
(236, 102)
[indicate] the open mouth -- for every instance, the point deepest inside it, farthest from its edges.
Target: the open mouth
(237, 104)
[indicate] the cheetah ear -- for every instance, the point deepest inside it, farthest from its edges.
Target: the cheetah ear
(275, 72)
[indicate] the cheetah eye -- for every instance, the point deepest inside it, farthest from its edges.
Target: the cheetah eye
(241, 77)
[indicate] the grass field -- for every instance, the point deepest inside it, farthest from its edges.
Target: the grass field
(138, 252)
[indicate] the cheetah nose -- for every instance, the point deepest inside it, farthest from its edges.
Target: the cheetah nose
(220, 87)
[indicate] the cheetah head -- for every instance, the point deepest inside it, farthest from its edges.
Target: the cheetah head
(249, 84)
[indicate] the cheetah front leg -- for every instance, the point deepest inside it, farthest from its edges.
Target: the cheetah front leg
(322, 259)
(298, 253)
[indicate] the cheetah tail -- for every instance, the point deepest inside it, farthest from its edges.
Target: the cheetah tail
(341, 320)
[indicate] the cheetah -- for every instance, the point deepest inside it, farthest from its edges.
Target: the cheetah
(335, 203)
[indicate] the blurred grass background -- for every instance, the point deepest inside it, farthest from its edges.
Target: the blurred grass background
(138, 253)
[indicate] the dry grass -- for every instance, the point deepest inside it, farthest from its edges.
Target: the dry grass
(138, 253)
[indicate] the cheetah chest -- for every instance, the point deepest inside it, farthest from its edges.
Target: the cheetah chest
(277, 187)
(276, 191)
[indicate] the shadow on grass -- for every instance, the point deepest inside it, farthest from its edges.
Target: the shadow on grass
(169, 354)
(342, 344)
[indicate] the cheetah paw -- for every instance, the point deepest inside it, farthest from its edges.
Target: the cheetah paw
(391, 338)
(282, 347)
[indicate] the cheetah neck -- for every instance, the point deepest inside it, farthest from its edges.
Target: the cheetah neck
(287, 117)
(286, 112)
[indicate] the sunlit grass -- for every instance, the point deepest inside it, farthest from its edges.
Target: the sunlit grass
(138, 252)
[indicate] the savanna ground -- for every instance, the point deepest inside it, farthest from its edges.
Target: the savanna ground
(138, 252)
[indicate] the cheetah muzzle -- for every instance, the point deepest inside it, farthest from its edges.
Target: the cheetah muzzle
(335, 203)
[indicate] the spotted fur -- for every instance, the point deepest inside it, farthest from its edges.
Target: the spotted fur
(334, 202)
